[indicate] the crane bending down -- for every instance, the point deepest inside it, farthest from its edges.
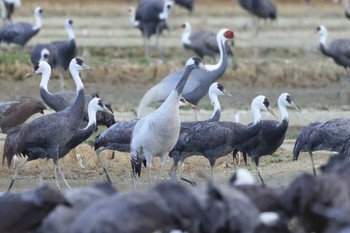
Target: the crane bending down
(156, 133)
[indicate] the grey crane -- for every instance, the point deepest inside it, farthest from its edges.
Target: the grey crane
(80, 135)
(61, 51)
(25, 211)
(118, 136)
(61, 218)
(17, 111)
(45, 135)
(331, 135)
(270, 135)
(202, 42)
(151, 16)
(8, 8)
(20, 33)
(198, 82)
(216, 139)
(156, 133)
(60, 100)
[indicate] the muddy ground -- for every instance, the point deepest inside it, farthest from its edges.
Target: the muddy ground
(284, 57)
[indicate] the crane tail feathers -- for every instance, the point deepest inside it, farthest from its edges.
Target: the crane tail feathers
(136, 168)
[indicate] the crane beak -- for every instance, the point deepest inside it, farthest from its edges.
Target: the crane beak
(270, 110)
(107, 110)
(293, 105)
(86, 67)
(227, 93)
(27, 75)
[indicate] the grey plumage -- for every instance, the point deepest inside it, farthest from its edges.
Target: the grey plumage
(202, 42)
(270, 135)
(264, 9)
(20, 33)
(25, 211)
(61, 218)
(198, 82)
(151, 18)
(216, 139)
(187, 4)
(17, 111)
(338, 49)
(332, 135)
(45, 135)
(156, 133)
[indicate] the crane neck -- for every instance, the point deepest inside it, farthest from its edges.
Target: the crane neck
(92, 118)
(45, 77)
(77, 80)
(223, 55)
(133, 20)
(323, 39)
(283, 111)
(257, 117)
(215, 102)
(181, 84)
(165, 12)
(70, 33)
(185, 38)
(38, 23)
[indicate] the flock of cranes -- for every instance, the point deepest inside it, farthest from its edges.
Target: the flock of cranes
(320, 204)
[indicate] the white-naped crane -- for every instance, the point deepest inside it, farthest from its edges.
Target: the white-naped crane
(21, 32)
(216, 139)
(270, 135)
(202, 42)
(198, 82)
(156, 133)
(45, 135)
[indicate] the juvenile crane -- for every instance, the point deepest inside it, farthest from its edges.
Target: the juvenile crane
(156, 133)
(198, 82)
(17, 111)
(45, 135)
(20, 33)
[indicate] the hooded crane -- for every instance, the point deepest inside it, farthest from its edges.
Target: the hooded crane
(45, 135)
(118, 136)
(61, 51)
(151, 16)
(156, 133)
(332, 135)
(271, 134)
(198, 82)
(20, 33)
(203, 43)
(8, 8)
(60, 100)
(338, 49)
(216, 139)
(81, 135)
(17, 111)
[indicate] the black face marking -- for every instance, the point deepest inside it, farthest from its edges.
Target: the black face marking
(168, 6)
(46, 56)
(79, 61)
(289, 99)
(318, 28)
(70, 22)
(41, 11)
(220, 87)
(196, 60)
(183, 25)
(266, 103)
(183, 100)
(100, 103)
(36, 67)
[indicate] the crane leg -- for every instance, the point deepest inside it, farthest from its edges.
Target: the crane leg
(62, 176)
(103, 167)
(160, 49)
(133, 182)
(312, 163)
(257, 170)
(42, 172)
(61, 81)
(16, 173)
(146, 47)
